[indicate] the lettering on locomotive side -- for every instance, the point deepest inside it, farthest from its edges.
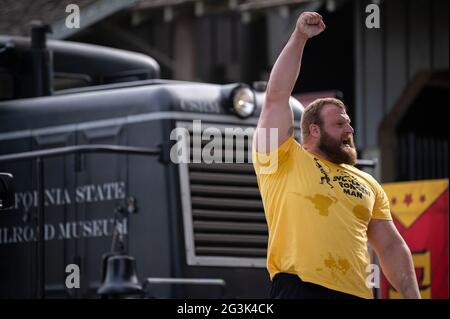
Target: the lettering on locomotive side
(200, 106)
(60, 231)
(57, 196)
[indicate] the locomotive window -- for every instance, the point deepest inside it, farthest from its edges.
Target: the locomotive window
(6, 86)
(63, 81)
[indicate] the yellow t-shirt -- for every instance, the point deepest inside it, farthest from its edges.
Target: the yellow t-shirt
(317, 214)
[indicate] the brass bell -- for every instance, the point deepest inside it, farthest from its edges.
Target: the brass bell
(119, 278)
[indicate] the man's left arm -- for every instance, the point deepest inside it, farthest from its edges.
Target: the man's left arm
(395, 257)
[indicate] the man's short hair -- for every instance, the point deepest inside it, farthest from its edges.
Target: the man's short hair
(312, 114)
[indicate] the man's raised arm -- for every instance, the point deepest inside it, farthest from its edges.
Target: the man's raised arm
(276, 112)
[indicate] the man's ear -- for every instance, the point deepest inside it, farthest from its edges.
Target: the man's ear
(314, 130)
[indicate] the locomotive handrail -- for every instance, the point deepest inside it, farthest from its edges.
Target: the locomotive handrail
(366, 163)
(93, 148)
(185, 281)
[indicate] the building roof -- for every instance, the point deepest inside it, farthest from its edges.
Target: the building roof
(240, 5)
(16, 15)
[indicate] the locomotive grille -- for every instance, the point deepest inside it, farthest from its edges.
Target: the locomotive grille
(222, 205)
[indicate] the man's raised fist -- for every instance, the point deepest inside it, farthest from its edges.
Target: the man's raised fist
(310, 24)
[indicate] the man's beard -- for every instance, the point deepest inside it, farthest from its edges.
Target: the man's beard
(335, 150)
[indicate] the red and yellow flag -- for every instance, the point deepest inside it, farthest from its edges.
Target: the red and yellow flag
(420, 213)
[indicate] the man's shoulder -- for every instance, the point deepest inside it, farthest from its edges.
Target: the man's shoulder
(366, 176)
(288, 153)
(287, 146)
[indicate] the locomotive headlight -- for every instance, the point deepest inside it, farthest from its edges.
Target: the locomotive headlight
(243, 101)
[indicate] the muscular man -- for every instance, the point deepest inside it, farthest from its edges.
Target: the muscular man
(321, 211)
